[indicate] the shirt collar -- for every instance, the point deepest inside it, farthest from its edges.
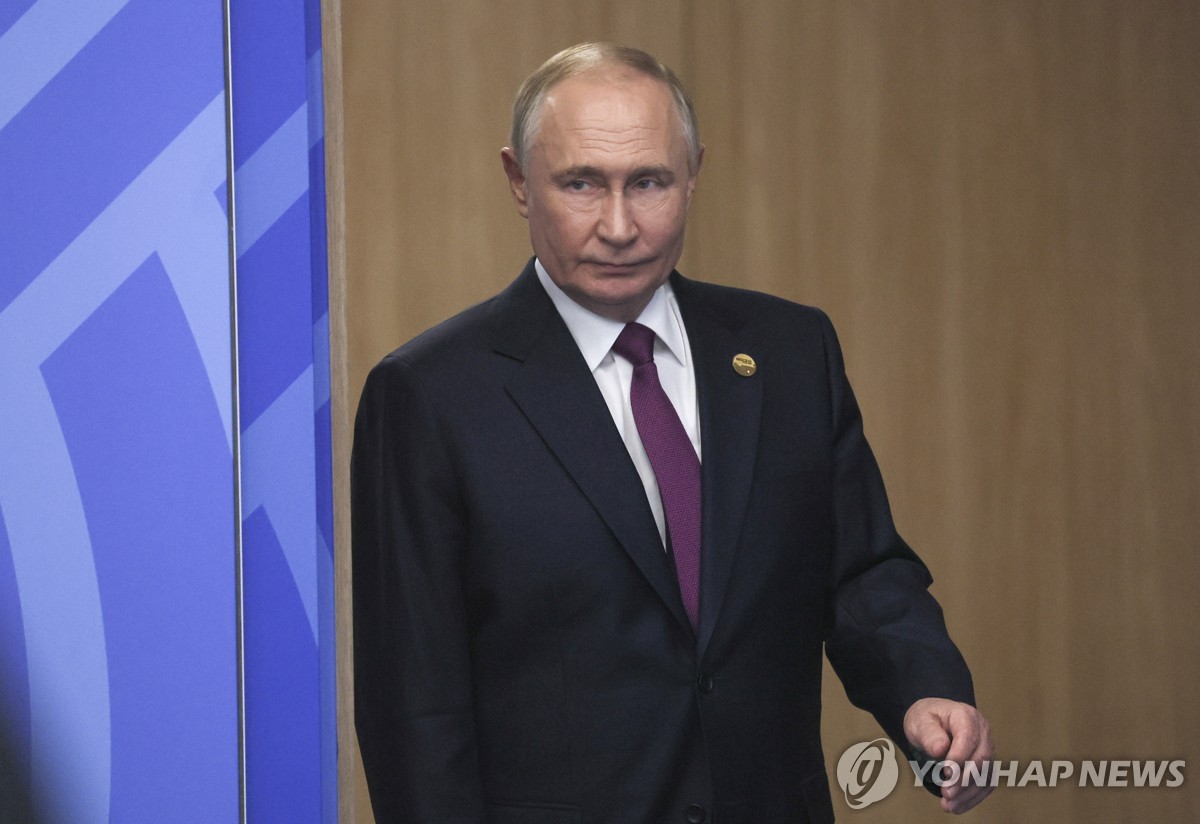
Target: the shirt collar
(595, 334)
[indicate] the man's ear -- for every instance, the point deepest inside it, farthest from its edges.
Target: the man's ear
(516, 180)
(691, 184)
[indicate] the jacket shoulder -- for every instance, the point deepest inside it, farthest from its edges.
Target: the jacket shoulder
(467, 331)
(747, 302)
(752, 311)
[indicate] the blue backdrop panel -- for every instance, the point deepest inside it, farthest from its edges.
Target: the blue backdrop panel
(290, 708)
(97, 123)
(168, 617)
(281, 727)
(116, 485)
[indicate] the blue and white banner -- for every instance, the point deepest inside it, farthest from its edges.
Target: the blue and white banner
(283, 364)
(120, 685)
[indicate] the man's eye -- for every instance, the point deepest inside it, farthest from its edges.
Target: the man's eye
(578, 185)
(646, 183)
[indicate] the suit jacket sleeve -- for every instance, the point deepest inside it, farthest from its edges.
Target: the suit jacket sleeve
(887, 639)
(414, 708)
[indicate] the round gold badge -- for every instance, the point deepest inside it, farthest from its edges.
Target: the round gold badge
(744, 365)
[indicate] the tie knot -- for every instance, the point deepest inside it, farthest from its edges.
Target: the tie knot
(635, 344)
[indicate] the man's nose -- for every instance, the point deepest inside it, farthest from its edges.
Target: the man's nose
(617, 225)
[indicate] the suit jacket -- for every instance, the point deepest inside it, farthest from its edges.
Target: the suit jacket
(522, 655)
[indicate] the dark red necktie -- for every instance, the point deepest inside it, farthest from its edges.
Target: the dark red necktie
(676, 466)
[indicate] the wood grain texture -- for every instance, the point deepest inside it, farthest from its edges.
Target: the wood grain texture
(998, 203)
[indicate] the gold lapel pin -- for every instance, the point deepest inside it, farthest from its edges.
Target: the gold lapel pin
(744, 365)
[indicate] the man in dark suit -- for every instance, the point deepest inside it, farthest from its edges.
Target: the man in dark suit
(605, 523)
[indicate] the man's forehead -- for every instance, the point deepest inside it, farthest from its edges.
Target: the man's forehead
(609, 86)
(609, 111)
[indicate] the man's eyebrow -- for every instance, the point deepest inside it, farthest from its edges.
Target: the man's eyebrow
(574, 172)
(664, 173)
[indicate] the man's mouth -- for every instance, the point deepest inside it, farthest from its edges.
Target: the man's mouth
(618, 268)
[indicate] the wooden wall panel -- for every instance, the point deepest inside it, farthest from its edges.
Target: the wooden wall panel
(998, 203)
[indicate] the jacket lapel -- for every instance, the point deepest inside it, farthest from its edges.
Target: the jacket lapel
(559, 397)
(730, 413)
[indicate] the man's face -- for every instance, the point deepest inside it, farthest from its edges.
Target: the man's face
(607, 189)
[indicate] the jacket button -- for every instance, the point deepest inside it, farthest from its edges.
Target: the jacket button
(695, 814)
(704, 683)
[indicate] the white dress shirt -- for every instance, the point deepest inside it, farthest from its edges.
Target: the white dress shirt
(595, 335)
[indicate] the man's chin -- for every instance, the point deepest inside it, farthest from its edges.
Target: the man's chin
(623, 304)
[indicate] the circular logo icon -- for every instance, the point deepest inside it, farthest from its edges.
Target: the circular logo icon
(867, 772)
